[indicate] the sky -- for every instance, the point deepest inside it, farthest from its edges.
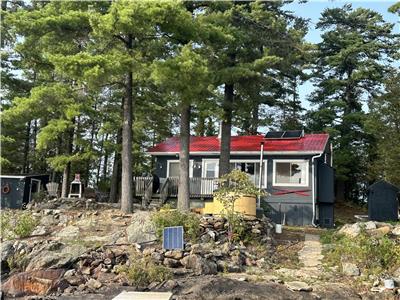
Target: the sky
(312, 10)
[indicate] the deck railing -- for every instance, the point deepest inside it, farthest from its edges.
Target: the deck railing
(140, 184)
(199, 187)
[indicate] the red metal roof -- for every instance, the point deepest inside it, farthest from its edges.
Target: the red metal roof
(249, 143)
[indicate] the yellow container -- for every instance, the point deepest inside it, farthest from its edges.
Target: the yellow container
(245, 205)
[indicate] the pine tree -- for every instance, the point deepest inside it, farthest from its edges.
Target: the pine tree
(383, 122)
(351, 66)
(178, 74)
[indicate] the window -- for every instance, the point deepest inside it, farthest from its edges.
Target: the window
(290, 173)
(173, 168)
(210, 168)
(252, 168)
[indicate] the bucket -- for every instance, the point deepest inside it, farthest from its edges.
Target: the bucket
(389, 284)
(278, 228)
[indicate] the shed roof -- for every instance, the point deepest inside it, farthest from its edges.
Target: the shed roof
(383, 183)
(309, 143)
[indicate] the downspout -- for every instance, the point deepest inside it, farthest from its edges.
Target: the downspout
(313, 187)
(261, 173)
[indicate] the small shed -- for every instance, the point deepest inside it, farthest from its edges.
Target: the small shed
(383, 202)
(18, 190)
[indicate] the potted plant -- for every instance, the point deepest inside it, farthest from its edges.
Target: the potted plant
(235, 198)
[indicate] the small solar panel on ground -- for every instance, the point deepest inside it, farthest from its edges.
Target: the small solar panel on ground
(292, 134)
(173, 238)
(274, 134)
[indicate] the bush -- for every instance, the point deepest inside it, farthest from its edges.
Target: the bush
(144, 271)
(374, 255)
(169, 217)
(17, 224)
(234, 185)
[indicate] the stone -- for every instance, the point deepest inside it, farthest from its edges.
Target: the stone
(69, 232)
(148, 251)
(219, 225)
(40, 282)
(350, 269)
(351, 230)
(370, 225)
(256, 231)
(47, 220)
(199, 265)
(157, 256)
(396, 230)
(40, 230)
(73, 278)
(396, 273)
(7, 250)
(217, 253)
(238, 259)
(93, 284)
(141, 229)
(298, 286)
(381, 231)
(196, 249)
(49, 258)
(175, 254)
(171, 263)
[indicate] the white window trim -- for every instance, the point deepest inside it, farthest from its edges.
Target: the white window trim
(265, 162)
(39, 182)
(307, 163)
(177, 161)
(203, 166)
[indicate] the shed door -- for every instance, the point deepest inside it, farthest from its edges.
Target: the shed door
(326, 183)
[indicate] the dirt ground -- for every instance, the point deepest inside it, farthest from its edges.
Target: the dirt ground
(345, 212)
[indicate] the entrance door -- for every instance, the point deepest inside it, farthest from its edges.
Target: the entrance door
(210, 172)
(35, 187)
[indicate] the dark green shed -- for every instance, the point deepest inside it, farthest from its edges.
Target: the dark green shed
(17, 190)
(383, 202)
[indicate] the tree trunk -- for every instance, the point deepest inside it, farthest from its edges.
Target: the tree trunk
(25, 168)
(92, 133)
(126, 157)
(183, 188)
(226, 125)
(254, 120)
(65, 179)
(200, 126)
(67, 169)
(114, 184)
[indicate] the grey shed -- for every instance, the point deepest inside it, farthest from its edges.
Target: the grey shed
(383, 202)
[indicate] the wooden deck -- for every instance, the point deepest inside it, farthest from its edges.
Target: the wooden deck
(200, 188)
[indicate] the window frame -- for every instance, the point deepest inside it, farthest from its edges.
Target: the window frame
(306, 162)
(177, 161)
(265, 162)
(203, 166)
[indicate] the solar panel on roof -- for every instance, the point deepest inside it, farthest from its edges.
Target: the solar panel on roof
(290, 134)
(173, 238)
(274, 134)
(293, 134)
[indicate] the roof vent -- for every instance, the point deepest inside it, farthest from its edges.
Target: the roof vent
(289, 134)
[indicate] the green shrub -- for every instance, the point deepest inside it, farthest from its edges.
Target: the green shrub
(17, 224)
(374, 255)
(144, 271)
(17, 262)
(169, 217)
(234, 185)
